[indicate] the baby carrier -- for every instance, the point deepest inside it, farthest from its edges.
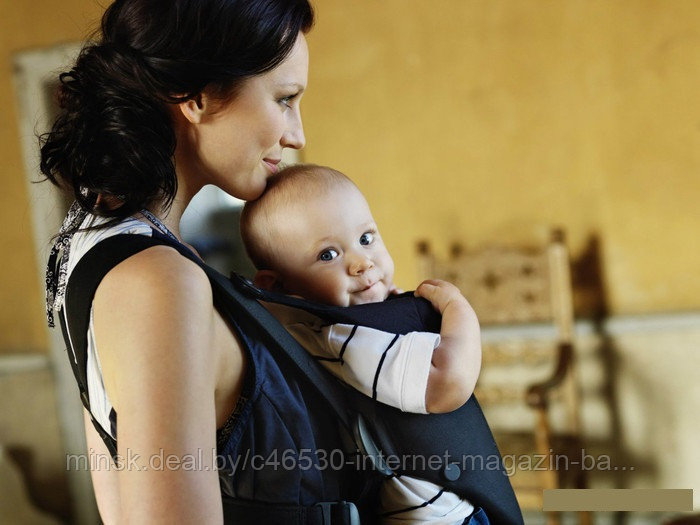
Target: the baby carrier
(454, 450)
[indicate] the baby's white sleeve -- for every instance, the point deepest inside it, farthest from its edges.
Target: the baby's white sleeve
(388, 367)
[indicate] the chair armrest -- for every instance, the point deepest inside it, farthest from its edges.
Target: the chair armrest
(537, 395)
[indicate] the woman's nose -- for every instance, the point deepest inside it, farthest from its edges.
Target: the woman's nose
(359, 264)
(294, 135)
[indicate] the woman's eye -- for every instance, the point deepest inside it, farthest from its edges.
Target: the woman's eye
(366, 238)
(287, 101)
(328, 255)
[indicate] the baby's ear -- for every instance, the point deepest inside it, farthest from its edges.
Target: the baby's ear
(268, 280)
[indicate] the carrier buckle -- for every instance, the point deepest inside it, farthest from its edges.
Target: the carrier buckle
(367, 446)
(339, 512)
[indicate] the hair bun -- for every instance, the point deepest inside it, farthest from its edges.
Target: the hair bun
(114, 135)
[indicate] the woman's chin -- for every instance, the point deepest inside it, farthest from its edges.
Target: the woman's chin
(250, 192)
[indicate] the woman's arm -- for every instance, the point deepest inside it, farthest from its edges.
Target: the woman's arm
(456, 361)
(153, 320)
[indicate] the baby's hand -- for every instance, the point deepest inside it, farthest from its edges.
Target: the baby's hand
(441, 294)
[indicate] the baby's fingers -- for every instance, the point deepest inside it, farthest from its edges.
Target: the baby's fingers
(432, 291)
(439, 293)
(430, 287)
(427, 285)
(426, 289)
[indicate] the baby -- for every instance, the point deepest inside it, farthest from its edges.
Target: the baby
(312, 235)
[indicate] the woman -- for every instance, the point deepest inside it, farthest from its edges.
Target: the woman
(175, 95)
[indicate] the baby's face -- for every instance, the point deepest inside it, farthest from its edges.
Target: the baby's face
(329, 250)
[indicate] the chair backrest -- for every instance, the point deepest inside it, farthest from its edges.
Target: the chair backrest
(509, 284)
(512, 285)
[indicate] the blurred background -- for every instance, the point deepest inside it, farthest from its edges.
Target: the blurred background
(463, 121)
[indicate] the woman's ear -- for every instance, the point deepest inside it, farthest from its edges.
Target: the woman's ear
(268, 280)
(194, 108)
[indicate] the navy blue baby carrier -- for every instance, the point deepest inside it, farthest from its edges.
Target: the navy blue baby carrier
(293, 404)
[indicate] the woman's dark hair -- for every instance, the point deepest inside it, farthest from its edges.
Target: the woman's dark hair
(114, 136)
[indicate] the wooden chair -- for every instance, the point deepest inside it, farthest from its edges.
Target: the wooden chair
(527, 387)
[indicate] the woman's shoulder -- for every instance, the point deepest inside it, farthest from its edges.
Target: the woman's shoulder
(158, 268)
(154, 307)
(159, 275)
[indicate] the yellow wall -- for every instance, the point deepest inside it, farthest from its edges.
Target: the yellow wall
(469, 120)
(24, 25)
(480, 119)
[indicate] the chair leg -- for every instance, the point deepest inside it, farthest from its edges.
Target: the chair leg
(585, 518)
(542, 443)
(553, 518)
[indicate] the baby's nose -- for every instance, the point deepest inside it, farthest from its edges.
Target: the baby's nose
(360, 265)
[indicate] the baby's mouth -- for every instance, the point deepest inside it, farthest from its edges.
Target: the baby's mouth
(366, 287)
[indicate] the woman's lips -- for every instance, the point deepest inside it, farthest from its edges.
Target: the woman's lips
(272, 165)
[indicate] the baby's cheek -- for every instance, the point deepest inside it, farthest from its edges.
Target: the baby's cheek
(390, 270)
(387, 291)
(337, 296)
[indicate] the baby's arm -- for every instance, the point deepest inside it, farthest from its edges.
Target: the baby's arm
(388, 367)
(456, 361)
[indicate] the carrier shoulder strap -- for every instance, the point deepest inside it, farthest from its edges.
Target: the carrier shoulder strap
(75, 315)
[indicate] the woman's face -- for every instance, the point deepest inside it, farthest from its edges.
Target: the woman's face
(239, 143)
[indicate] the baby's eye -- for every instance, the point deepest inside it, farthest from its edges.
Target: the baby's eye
(328, 255)
(366, 238)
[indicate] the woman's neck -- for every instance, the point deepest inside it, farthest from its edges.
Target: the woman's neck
(188, 184)
(172, 216)
(187, 170)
